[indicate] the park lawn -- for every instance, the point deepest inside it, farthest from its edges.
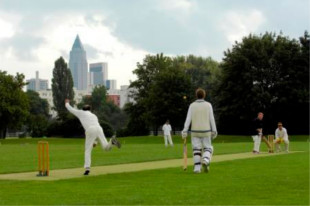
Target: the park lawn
(20, 155)
(271, 180)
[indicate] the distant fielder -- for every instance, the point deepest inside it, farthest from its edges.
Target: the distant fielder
(167, 133)
(93, 131)
(203, 130)
(281, 136)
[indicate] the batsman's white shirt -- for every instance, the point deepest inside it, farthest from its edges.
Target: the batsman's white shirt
(167, 129)
(200, 116)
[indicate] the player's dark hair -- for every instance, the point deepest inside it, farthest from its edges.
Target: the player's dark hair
(200, 93)
(86, 107)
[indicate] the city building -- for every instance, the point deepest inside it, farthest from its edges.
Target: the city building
(98, 74)
(78, 65)
(37, 84)
(111, 84)
(114, 98)
(123, 93)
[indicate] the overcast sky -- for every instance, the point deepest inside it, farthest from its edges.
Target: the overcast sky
(34, 33)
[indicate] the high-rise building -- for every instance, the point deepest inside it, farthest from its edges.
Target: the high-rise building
(98, 73)
(78, 65)
(111, 84)
(37, 84)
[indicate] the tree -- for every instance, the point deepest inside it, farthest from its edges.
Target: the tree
(39, 113)
(203, 72)
(168, 98)
(146, 73)
(62, 87)
(166, 86)
(268, 73)
(14, 105)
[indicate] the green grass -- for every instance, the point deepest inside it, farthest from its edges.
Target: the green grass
(20, 155)
(275, 180)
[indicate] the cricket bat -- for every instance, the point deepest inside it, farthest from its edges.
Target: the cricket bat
(184, 155)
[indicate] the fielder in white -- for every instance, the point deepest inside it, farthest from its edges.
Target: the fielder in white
(203, 130)
(93, 131)
(281, 136)
(167, 133)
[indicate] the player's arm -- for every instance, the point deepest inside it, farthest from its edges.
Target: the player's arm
(212, 120)
(277, 133)
(76, 112)
(187, 123)
(188, 120)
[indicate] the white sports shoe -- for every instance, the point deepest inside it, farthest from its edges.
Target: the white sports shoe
(206, 165)
(197, 169)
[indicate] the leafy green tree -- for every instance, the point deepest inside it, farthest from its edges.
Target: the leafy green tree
(166, 86)
(14, 104)
(39, 113)
(168, 98)
(146, 73)
(37, 104)
(203, 72)
(268, 73)
(62, 87)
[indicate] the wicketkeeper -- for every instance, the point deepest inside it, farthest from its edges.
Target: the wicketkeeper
(203, 130)
(281, 136)
(93, 131)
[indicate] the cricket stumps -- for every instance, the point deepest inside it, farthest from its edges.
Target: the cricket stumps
(43, 157)
(271, 143)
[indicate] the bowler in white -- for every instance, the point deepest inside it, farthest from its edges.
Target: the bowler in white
(93, 131)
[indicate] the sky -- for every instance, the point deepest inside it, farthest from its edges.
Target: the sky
(34, 33)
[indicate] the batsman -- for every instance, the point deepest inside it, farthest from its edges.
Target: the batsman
(203, 131)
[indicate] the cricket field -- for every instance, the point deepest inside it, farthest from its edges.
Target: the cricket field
(145, 172)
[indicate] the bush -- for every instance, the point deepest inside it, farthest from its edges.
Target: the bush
(37, 125)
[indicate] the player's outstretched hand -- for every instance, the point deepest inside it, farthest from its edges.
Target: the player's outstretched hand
(213, 135)
(67, 100)
(184, 134)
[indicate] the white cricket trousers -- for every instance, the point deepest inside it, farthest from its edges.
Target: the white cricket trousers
(92, 133)
(168, 139)
(201, 147)
(257, 140)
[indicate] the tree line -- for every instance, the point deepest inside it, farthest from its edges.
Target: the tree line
(263, 73)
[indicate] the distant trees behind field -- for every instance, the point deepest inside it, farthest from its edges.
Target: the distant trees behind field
(267, 72)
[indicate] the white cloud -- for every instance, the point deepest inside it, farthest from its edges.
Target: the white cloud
(8, 24)
(59, 32)
(180, 5)
(6, 29)
(180, 10)
(236, 25)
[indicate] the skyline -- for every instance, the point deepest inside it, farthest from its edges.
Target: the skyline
(34, 34)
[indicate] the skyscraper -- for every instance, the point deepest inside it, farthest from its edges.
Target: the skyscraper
(98, 73)
(78, 65)
(111, 84)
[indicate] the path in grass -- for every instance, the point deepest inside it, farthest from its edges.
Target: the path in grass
(131, 167)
